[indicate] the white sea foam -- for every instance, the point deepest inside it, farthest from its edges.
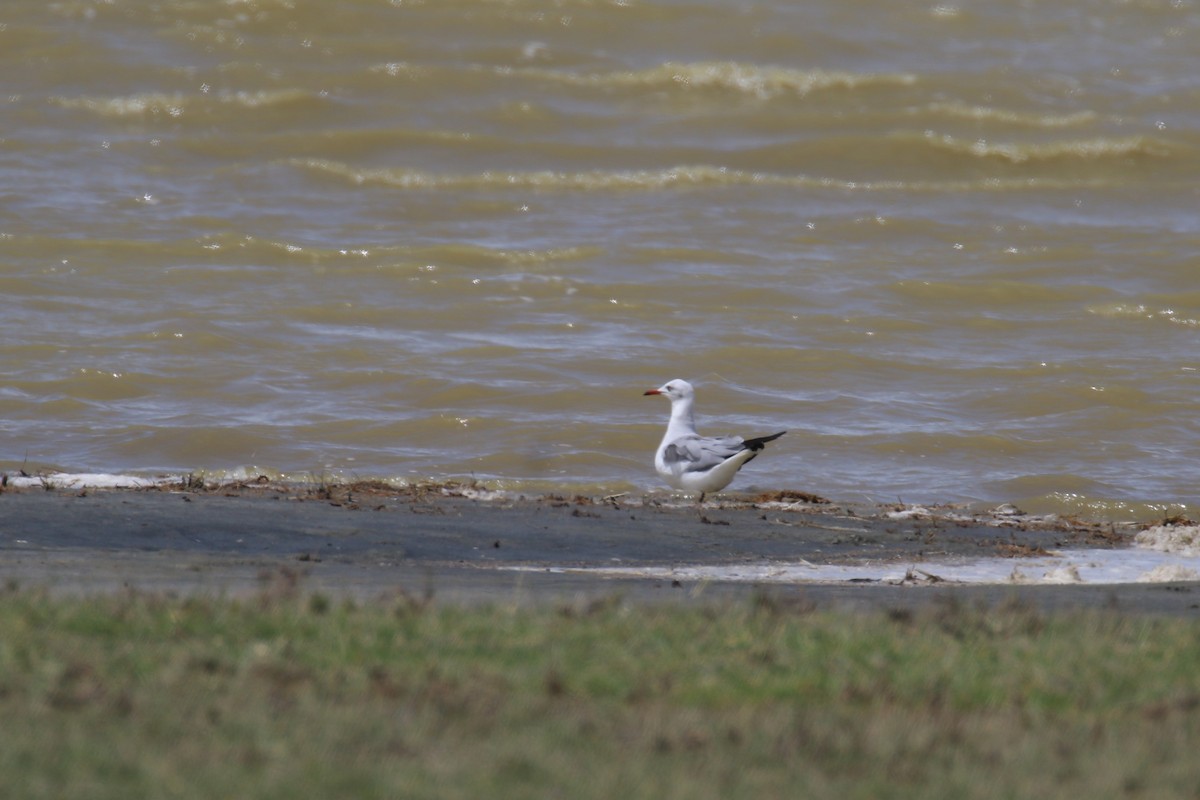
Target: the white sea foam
(1179, 539)
(87, 480)
(1076, 566)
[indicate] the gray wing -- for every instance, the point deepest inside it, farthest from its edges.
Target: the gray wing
(702, 453)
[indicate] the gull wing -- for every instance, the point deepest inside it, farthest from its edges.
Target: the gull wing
(701, 453)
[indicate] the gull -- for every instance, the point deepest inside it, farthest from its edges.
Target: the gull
(686, 460)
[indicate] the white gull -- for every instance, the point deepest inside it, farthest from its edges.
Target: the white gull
(686, 460)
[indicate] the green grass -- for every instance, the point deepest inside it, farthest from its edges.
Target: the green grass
(298, 696)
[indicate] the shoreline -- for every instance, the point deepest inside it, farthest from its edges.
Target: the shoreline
(442, 541)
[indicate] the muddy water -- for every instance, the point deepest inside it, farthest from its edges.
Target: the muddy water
(953, 248)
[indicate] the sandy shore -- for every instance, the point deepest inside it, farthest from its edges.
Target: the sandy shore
(447, 543)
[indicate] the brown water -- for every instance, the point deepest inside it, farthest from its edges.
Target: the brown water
(953, 248)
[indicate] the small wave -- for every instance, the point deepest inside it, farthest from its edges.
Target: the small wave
(993, 294)
(177, 104)
(764, 82)
(990, 114)
(1085, 149)
(267, 251)
(1141, 311)
(401, 69)
(542, 179)
(553, 255)
(476, 256)
(662, 178)
(1090, 500)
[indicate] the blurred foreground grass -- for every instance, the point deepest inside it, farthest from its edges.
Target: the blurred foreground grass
(290, 695)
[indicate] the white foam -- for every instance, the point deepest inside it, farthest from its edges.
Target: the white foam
(1131, 565)
(1180, 539)
(480, 494)
(86, 480)
(1167, 573)
(912, 512)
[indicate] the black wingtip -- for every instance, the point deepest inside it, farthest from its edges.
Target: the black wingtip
(761, 442)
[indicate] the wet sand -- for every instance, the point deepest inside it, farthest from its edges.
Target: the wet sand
(434, 542)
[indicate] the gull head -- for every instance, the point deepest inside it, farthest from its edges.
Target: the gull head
(677, 389)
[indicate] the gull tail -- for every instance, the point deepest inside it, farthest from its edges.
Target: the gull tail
(761, 442)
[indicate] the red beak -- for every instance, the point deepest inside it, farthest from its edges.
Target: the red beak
(651, 391)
